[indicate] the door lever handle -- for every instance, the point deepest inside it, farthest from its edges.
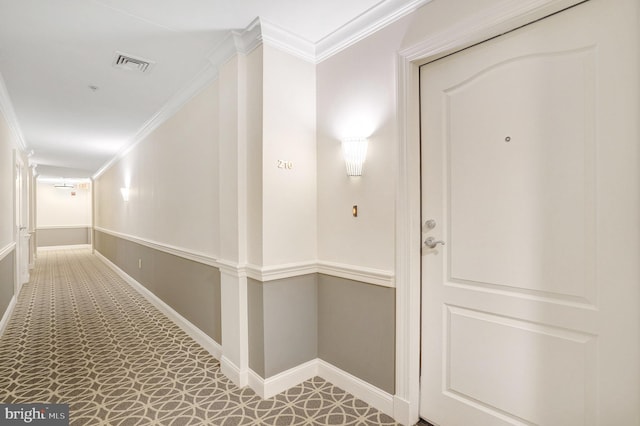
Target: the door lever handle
(432, 242)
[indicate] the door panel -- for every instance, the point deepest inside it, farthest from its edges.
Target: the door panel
(530, 310)
(538, 233)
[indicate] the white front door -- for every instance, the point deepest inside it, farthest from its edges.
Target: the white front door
(530, 309)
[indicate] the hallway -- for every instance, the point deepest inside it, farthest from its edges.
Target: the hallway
(80, 335)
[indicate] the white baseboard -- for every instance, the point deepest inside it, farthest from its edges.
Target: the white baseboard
(266, 388)
(233, 373)
(272, 386)
(213, 347)
(402, 411)
(377, 398)
(69, 247)
(7, 314)
(370, 394)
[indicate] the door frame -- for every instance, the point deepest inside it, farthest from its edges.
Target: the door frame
(503, 17)
(21, 207)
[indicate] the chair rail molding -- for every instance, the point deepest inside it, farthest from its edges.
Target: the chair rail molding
(176, 251)
(4, 251)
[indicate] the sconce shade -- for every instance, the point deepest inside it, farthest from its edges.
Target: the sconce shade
(354, 151)
(125, 194)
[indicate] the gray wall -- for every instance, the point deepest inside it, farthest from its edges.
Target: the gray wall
(356, 329)
(255, 320)
(347, 323)
(283, 317)
(63, 236)
(191, 288)
(6, 281)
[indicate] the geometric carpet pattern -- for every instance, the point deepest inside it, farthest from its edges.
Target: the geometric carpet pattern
(80, 335)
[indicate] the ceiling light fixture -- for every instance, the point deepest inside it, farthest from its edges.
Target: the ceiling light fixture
(63, 185)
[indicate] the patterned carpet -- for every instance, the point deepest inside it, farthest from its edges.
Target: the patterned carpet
(80, 335)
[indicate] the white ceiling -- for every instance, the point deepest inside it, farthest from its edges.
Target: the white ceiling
(52, 51)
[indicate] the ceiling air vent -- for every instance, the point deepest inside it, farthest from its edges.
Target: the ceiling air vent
(131, 63)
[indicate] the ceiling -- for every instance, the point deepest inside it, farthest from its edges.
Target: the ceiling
(76, 111)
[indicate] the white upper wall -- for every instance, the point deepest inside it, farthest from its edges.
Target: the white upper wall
(356, 92)
(289, 159)
(62, 207)
(6, 183)
(173, 179)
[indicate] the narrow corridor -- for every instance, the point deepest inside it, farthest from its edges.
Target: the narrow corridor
(82, 336)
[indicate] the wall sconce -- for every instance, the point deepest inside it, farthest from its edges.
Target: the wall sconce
(354, 151)
(125, 193)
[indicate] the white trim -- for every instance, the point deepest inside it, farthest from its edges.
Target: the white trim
(207, 75)
(370, 394)
(6, 316)
(276, 272)
(68, 247)
(187, 326)
(287, 41)
(371, 21)
(362, 274)
(358, 273)
(493, 21)
(63, 227)
(232, 268)
(233, 373)
(257, 32)
(6, 106)
(503, 17)
(266, 388)
(6, 250)
(402, 411)
(408, 242)
(166, 248)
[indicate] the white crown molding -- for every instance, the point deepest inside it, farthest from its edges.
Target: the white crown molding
(6, 250)
(243, 42)
(6, 107)
(236, 42)
(213, 347)
(166, 248)
(288, 42)
(364, 25)
(357, 273)
(207, 75)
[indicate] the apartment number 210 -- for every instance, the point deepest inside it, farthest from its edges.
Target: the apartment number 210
(283, 164)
